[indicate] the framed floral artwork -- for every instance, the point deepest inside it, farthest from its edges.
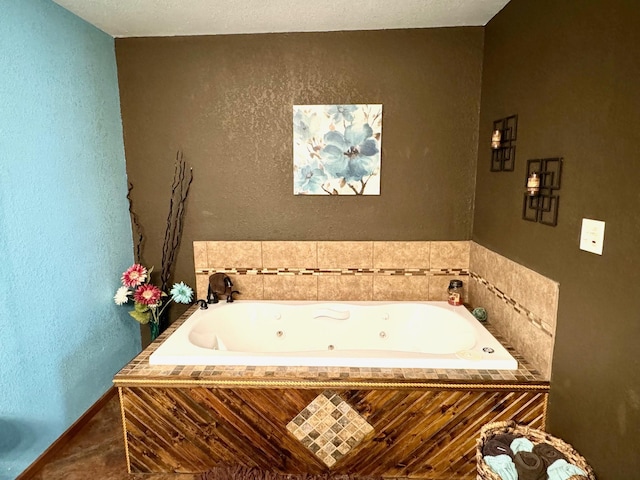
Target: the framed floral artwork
(337, 149)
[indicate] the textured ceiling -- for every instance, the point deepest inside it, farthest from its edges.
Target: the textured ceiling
(147, 18)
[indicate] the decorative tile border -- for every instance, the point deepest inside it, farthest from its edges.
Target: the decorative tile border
(405, 272)
(531, 317)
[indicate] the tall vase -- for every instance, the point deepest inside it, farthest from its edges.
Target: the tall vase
(154, 329)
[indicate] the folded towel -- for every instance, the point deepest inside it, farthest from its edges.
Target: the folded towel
(548, 453)
(529, 466)
(562, 470)
(503, 466)
(495, 447)
(521, 444)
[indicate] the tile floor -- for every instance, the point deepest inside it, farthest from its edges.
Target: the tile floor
(97, 452)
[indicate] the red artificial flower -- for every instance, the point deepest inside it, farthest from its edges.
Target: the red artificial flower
(135, 275)
(147, 295)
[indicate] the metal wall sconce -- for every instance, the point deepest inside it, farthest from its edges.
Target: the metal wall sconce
(542, 183)
(503, 144)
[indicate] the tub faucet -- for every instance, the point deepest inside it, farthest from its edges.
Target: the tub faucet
(228, 284)
(220, 284)
(230, 296)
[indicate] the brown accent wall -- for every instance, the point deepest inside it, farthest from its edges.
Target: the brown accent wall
(226, 101)
(570, 71)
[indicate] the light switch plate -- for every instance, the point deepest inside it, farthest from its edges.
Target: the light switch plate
(592, 236)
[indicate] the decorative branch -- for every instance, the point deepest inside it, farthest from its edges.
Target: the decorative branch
(175, 219)
(138, 235)
(363, 183)
(330, 192)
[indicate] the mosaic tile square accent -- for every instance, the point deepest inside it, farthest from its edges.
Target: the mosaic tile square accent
(329, 427)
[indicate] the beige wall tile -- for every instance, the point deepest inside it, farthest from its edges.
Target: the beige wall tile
(345, 287)
(200, 255)
(438, 285)
(450, 254)
(537, 293)
(477, 293)
(503, 273)
(401, 254)
(478, 259)
(234, 254)
(533, 291)
(531, 342)
(345, 254)
(498, 314)
(496, 269)
(400, 288)
(290, 287)
(289, 254)
(202, 282)
(251, 287)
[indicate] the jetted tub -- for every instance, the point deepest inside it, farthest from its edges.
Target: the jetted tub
(343, 334)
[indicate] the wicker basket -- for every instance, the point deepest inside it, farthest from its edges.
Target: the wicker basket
(535, 436)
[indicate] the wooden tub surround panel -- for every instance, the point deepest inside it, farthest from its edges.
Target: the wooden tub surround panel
(414, 433)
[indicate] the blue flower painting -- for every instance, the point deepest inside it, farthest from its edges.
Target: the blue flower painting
(336, 149)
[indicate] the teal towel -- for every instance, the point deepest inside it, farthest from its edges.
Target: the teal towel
(521, 444)
(503, 466)
(562, 470)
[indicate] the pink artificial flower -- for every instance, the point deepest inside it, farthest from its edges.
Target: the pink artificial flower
(135, 275)
(147, 295)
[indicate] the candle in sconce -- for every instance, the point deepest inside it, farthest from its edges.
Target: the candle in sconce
(533, 184)
(496, 137)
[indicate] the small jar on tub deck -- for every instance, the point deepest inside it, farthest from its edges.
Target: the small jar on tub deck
(455, 290)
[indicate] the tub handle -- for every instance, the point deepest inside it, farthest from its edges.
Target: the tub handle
(329, 313)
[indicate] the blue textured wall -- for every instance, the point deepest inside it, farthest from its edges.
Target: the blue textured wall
(65, 234)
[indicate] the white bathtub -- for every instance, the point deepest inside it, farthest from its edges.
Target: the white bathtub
(343, 334)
